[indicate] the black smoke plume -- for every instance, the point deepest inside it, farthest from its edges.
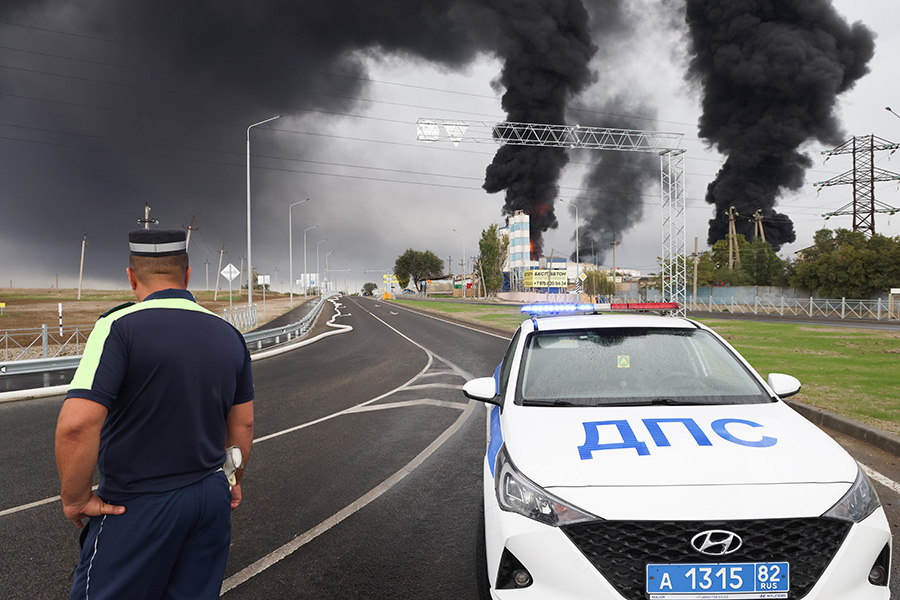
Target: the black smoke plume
(546, 49)
(770, 73)
(614, 188)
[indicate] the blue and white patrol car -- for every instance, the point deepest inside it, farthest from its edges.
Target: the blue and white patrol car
(635, 456)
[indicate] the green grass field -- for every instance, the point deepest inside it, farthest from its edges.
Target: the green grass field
(851, 372)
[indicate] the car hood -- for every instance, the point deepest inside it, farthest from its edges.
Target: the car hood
(703, 459)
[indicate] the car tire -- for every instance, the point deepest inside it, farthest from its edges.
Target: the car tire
(482, 581)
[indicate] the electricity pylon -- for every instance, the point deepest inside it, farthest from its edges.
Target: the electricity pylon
(863, 177)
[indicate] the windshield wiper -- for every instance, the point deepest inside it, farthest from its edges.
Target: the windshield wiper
(656, 402)
(550, 403)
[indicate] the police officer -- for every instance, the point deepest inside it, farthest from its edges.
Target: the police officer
(163, 387)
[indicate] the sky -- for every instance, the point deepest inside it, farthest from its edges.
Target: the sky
(108, 106)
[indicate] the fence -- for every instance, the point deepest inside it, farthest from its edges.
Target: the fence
(43, 342)
(242, 318)
(57, 354)
(812, 307)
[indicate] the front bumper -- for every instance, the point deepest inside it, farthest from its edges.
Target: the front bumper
(562, 571)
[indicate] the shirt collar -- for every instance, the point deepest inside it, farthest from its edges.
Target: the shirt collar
(170, 293)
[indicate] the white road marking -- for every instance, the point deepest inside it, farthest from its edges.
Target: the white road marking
(408, 403)
(422, 314)
(286, 550)
(423, 386)
(16, 509)
(883, 480)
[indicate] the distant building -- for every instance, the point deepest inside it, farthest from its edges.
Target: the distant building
(518, 229)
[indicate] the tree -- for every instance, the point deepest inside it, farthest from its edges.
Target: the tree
(844, 263)
(596, 283)
(493, 248)
(418, 266)
(368, 288)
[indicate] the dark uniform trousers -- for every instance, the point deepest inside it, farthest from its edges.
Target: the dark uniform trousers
(171, 545)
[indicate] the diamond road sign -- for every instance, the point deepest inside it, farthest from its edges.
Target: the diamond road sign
(230, 272)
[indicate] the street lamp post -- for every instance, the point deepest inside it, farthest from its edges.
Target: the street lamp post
(305, 283)
(577, 256)
(463, 264)
(318, 281)
(291, 248)
(249, 261)
(327, 254)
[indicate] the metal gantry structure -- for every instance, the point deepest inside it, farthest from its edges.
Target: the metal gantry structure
(862, 177)
(665, 144)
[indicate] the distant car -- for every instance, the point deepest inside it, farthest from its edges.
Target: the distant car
(637, 457)
(407, 291)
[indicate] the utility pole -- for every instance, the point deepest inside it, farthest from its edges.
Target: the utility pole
(758, 230)
(863, 177)
(80, 268)
(734, 251)
(147, 220)
(614, 243)
(207, 274)
(241, 276)
(696, 260)
(218, 272)
(276, 277)
(190, 228)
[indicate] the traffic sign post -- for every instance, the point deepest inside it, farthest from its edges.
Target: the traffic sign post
(264, 280)
(229, 273)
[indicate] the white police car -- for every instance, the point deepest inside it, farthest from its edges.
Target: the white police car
(640, 457)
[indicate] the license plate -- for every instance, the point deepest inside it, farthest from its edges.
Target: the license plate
(718, 581)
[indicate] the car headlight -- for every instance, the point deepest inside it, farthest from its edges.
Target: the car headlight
(516, 493)
(858, 503)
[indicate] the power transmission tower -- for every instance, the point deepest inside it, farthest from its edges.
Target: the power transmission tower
(863, 177)
(674, 260)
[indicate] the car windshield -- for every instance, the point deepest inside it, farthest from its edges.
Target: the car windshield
(633, 366)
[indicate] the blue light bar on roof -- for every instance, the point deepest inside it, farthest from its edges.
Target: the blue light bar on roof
(562, 309)
(568, 309)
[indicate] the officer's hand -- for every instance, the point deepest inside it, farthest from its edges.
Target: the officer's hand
(235, 496)
(94, 507)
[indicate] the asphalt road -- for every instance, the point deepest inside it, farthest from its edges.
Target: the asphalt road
(363, 482)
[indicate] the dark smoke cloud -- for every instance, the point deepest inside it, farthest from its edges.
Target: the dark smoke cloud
(193, 74)
(615, 186)
(546, 48)
(616, 183)
(770, 73)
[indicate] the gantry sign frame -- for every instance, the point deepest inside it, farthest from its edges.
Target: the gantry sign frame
(666, 145)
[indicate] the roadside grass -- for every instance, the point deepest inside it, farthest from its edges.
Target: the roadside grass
(850, 372)
(507, 318)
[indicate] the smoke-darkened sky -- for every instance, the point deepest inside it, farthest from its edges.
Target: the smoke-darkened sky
(109, 105)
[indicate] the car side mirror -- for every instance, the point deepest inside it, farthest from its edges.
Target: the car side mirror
(483, 389)
(783, 385)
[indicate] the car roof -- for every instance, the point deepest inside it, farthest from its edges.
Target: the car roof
(600, 321)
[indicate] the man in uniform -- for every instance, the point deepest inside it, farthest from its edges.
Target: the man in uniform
(163, 388)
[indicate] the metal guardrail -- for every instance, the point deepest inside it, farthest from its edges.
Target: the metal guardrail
(255, 341)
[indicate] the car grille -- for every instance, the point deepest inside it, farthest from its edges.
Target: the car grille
(621, 550)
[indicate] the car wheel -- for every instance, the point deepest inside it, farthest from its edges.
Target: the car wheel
(482, 581)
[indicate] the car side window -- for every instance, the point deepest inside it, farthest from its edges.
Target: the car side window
(506, 365)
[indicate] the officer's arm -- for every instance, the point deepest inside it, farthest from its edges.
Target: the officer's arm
(239, 431)
(77, 445)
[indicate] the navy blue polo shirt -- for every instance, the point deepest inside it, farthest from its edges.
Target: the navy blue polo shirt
(168, 371)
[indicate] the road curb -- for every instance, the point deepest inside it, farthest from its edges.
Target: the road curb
(874, 437)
